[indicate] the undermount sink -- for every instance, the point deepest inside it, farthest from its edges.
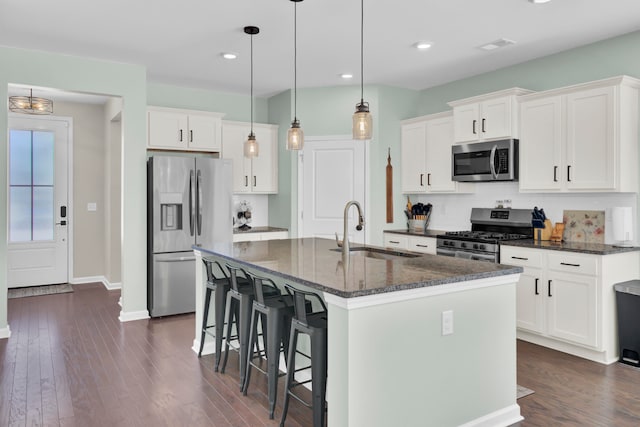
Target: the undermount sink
(377, 253)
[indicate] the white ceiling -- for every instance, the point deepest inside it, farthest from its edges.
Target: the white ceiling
(180, 42)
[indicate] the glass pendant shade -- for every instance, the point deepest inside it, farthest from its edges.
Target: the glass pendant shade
(30, 105)
(362, 122)
(295, 136)
(251, 148)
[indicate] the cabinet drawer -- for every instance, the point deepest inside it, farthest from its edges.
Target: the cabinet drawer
(521, 257)
(395, 241)
(426, 245)
(575, 264)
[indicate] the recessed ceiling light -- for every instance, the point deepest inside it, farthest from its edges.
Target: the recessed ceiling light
(229, 55)
(496, 44)
(423, 45)
(539, 1)
(346, 76)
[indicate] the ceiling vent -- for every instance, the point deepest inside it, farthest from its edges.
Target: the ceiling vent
(496, 44)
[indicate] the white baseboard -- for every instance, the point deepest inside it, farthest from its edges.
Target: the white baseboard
(5, 332)
(133, 315)
(603, 357)
(209, 347)
(500, 418)
(96, 279)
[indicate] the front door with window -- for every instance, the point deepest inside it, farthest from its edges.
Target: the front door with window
(37, 205)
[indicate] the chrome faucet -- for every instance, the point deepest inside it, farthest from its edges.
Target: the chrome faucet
(345, 235)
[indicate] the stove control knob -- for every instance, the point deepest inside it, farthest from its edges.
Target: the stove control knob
(482, 247)
(475, 246)
(463, 245)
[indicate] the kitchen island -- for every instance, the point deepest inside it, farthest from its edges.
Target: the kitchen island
(389, 362)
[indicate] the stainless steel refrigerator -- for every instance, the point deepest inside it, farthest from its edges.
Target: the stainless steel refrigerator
(189, 202)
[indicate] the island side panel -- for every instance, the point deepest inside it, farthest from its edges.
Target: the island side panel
(390, 365)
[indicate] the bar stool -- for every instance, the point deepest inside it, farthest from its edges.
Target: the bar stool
(313, 324)
(218, 286)
(275, 314)
(239, 304)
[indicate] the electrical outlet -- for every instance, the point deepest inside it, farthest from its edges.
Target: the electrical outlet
(447, 322)
(92, 207)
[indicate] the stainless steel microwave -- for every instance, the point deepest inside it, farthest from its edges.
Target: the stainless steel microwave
(485, 161)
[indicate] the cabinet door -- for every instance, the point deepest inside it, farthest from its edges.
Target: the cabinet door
(425, 245)
(530, 312)
(590, 140)
(413, 146)
(264, 168)
(204, 133)
(541, 144)
(167, 130)
(572, 309)
(465, 123)
(233, 137)
(439, 138)
(496, 119)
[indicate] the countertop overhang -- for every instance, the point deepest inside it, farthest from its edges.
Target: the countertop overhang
(315, 262)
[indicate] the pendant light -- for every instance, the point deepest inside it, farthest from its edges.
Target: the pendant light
(362, 122)
(295, 136)
(30, 104)
(251, 145)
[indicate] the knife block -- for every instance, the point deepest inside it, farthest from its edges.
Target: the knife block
(543, 233)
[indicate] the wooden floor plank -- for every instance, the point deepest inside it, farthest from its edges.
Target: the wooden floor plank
(93, 370)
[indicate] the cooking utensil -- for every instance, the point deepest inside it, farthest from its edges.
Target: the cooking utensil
(389, 188)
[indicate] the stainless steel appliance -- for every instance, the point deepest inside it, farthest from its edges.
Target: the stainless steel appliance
(488, 228)
(189, 201)
(485, 161)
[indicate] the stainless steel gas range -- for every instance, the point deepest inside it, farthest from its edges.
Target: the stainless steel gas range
(488, 228)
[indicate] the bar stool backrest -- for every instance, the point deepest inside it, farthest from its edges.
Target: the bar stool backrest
(211, 277)
(258, 286)
(233, 273)
(300, 299)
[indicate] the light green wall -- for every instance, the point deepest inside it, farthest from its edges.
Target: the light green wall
(596, 61)
(235, 107)
(89, 76)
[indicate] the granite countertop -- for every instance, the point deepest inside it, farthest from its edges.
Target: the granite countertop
(585, 248)
(259, 230)
(315, 262)
(426, 233)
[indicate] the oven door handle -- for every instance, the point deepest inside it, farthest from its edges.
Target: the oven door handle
(492, 162)
(466, 254)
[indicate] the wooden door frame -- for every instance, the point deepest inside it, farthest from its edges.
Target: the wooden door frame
(365, 204)
(70, 219)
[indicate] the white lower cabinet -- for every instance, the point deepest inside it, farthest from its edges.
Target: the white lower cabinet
(565, 300)
(414, 243)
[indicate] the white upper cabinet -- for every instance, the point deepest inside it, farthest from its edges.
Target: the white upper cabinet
(185, 130)
(258, 175)
(487, 117)
(581, 138)
(426, 155)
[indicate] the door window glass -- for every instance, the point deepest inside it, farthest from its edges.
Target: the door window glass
(31, 172)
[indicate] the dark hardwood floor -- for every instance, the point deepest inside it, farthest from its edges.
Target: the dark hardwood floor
(70, 362)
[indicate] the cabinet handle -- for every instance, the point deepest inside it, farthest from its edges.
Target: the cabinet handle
(429, 179)
(474, 127)
(483, 120)
(255, 181)
(537, 293)
(421, 180)
(555, 174)
(394, 242)
(246, 180)
(180, 135)
(190, 136)
(517, 257)
(549, 289)
(569, 173)
(422, 246)
(569, 264)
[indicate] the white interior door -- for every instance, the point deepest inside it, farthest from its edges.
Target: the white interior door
(333, 173)
(38, 209)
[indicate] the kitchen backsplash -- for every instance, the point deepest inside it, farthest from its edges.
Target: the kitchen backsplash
(451, 211)
(259, 208)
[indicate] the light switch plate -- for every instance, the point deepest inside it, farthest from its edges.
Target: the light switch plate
(92, 207)
(447, 322)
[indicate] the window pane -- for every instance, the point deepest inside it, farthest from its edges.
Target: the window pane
(20, 157)
(43, 158)
(20, 214)
(43, 213)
